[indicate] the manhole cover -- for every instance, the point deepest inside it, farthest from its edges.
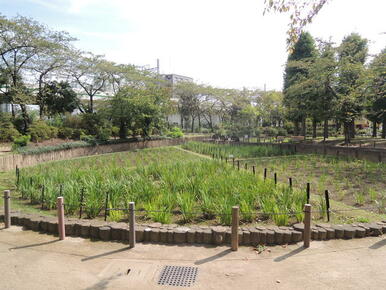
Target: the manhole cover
(178, 276)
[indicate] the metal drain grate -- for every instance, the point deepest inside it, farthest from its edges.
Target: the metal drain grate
(178, 276)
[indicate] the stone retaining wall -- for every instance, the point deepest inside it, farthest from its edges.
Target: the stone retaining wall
(173, 234)
(9, 162)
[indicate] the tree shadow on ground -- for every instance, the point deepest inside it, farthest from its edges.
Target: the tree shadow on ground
(105, 254)
(103, 284)
(34, 245)
(378, 244)
(214, 257)
(290, 254)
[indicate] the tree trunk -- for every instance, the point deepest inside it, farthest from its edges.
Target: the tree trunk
(181, 121)
(193, 124)
(384, 127)
(91, 106)
(199, 122)
(347, 133)
(304, 129)
(122, 130)
(374, 129)
(352, 129)
(296, 128)
(25, 117)
(325, 129)
(314, 128)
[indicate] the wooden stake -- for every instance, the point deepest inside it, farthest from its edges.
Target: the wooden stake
(254, 169)
(60, 207)
(235, 228)
(327, 204)
(290, 182)
(132, 224)
(265, 173)
(307, 226)
(7, 208)
(308, 192)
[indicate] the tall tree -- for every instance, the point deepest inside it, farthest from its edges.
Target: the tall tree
(22, 40)
(376, 90)
(294, 99)
(352, 55)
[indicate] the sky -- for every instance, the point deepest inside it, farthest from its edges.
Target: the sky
(223, 43)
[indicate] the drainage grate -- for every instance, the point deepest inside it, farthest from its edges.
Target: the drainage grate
(178, 276)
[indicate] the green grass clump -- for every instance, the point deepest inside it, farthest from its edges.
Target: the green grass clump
(167, 183)
(240, 151)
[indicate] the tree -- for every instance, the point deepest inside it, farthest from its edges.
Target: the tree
(352, 55)
(295, 97)
(139, 110)
(22, 40)
(301, 14)
(376, 90)
(58, 98)
(91, 73)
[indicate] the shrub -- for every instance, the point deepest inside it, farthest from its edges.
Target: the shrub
(281, 132)
(8, 132)
(40, 131)
(65, 133)
(115, 131)
(21, 141)
(175, 132)
(270, 131)
(77, 133)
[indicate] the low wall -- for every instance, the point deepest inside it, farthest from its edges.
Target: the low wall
(9, 162)
(173, 234)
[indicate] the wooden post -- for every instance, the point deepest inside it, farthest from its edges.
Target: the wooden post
(245, 166)
(81, 202)
(42, 197)
(106, 205)
(226, 159)
(254, 169)
(7, 209)
(233, 161)
(307, 225)
(60, 207)
(235, 228)
(238, 164)
(275, 178)
(132, 224)
(327, 204)
(265, 173)
(290, 182)
(308, 192)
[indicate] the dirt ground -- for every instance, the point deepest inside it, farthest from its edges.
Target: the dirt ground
(30, 260)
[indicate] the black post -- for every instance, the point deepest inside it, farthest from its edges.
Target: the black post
(253, 169)
(265, 173)
(17, 177)
(81, 202)
(238, 164)
(61, 190)
(327, 204)
(275, 178)
(226, 159)
(106, 205)
(42, 196)
(233, 161)
(290, 182)
(308, 193)
(245, 166)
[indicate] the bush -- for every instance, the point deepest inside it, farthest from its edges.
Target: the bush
(281, 132)
(8, 132)
(175, 132)
(21, 141)
(269, 131)
(115, 131)
(65, 133)
(40, 131)
(103, 134)
(77, 133)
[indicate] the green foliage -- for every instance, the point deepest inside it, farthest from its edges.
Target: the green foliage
(65, 132)
(8, 131)
(225, 151)
(21, 141)
(40, 131)
(175, 132)
(58, 98)
(158, 181)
